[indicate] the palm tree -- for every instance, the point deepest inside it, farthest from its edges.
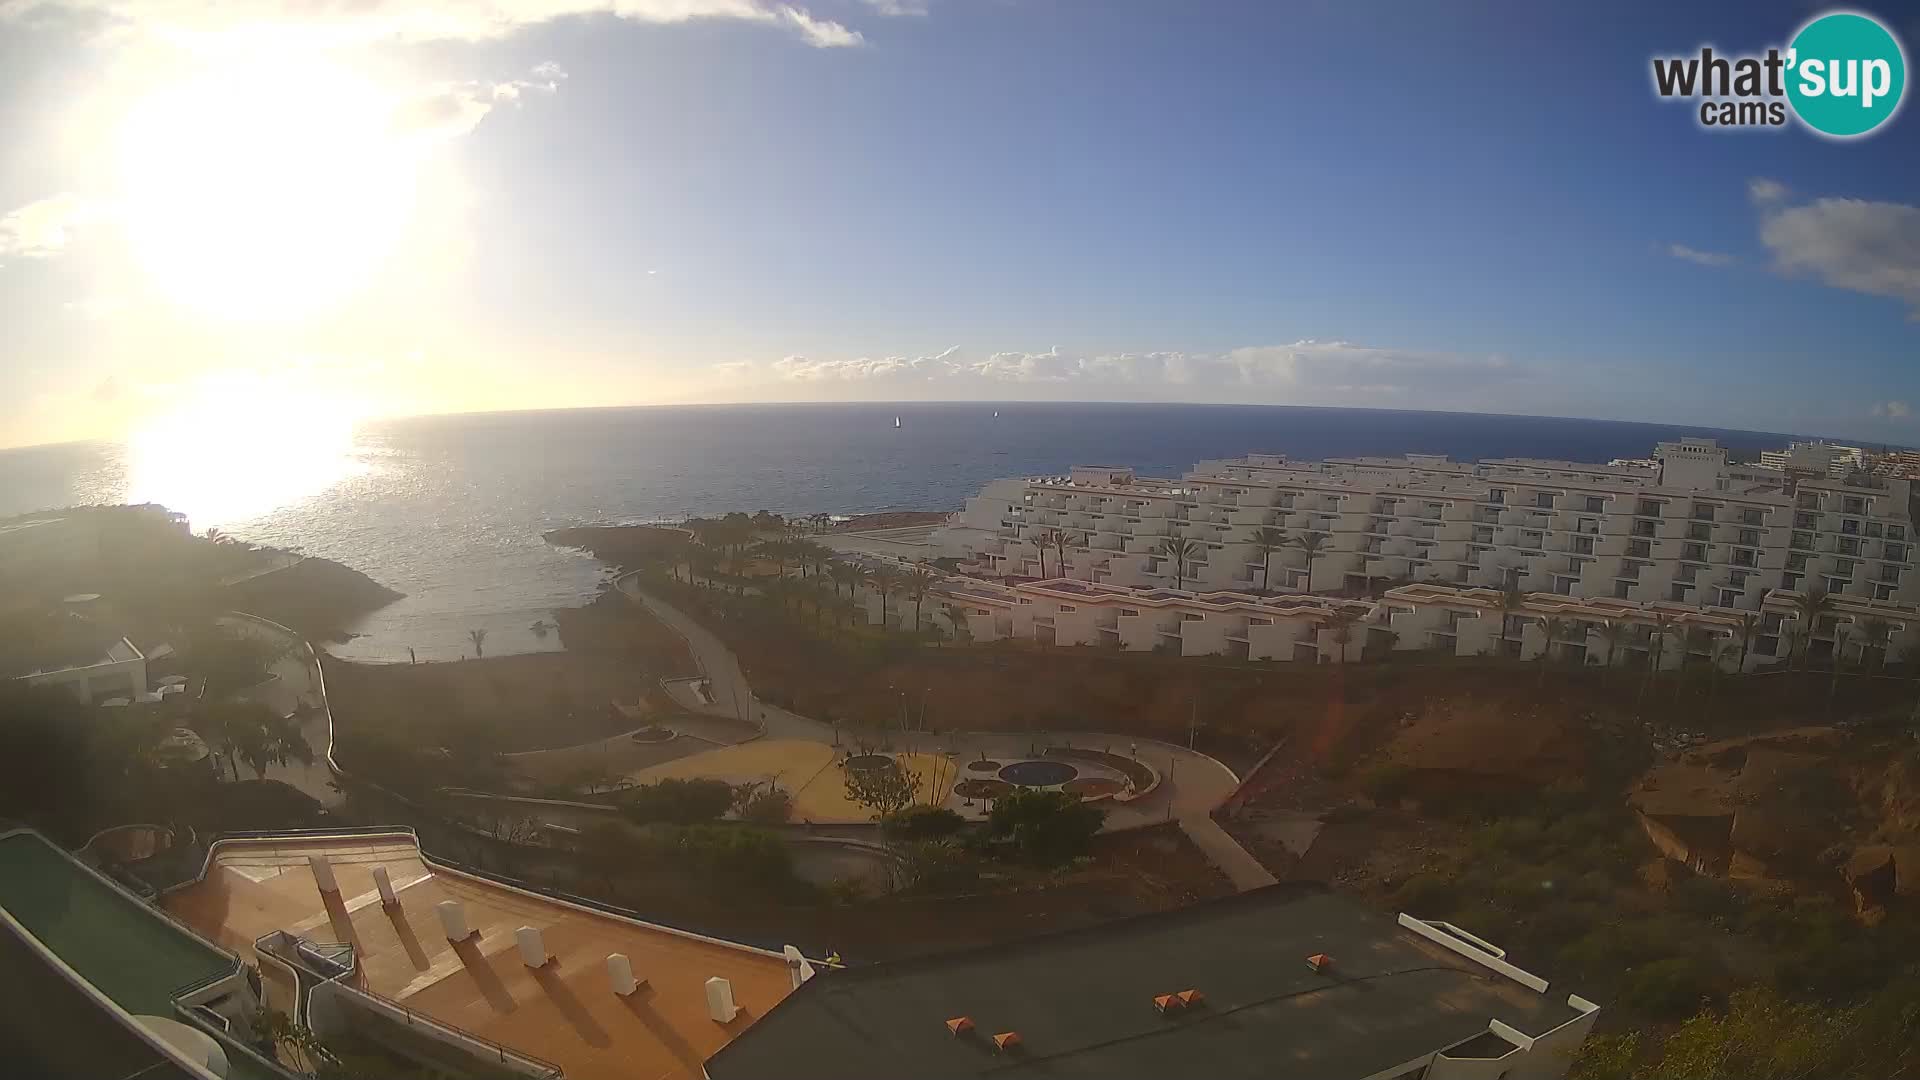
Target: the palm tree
(919, 582)
(957, 618)
(842, 574)
(249, 732)
(1840, 632)
(1042, 539)
(1615, 633)
(884, 578)
(1341, 621)
(1512, 602)
(857, 575)
(1722, 652)
(1807, 609)
(1693, 641)
(1556, 628)
(1266, 541)
(1311, 543)
(479, 639)
(1663, 627)
(1874, 636)
(1182, 551)
(1061, 541)
(1749, 626)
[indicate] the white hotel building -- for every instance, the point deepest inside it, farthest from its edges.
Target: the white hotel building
(1686, 533)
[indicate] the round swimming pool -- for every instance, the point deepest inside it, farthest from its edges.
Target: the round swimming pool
(863, 762)
(1038, 773)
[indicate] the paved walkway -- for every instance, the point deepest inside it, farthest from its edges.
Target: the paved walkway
(1225, 853)
(296, 682)
(1190, 783)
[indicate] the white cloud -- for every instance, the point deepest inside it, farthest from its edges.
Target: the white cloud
(898, 7)
(1303, 370)
(44, 228)
(1763, 191)
(1704, 258)
(1867, 247)
(450, 110)
(362, 22)
(1892, 410)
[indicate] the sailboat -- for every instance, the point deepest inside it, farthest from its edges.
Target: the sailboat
(896, 421)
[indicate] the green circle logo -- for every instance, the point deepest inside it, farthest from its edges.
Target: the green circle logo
(1846, 74)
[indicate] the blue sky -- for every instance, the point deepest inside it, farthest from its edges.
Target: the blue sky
(1475, 207)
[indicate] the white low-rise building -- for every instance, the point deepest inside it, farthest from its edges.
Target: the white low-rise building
(1689, 528)
(1425, 617)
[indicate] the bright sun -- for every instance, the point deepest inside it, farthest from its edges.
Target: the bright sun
(265, 191)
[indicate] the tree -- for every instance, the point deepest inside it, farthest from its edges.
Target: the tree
(764, 804)
(1341, 621)
(479, 639)
(228, 660)
(607, 850)
(886, 789)
(1181, 552)
(884, 579)
(1695, 640)
(919, 581)
(1874, 634)
(923, 823)
(1615, 633)
(1266, 541)
(1046, 827)
(1311, 543)
(1749, 626)
(1664, 627)
(1808, 607)
(1556, 628)
(957, 619)
(1840, 633)
(1061, 539)
(1512, 602)
(1042, 539)
(254, 734)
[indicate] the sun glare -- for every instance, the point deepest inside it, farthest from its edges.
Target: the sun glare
(265, 191)
(234, 450)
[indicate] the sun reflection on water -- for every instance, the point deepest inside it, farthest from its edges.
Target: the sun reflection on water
(234, 452)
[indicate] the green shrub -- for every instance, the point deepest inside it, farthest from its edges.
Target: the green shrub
(680, 802)
(1047, 827)
(1670, 989)
(766, 806)
(924, 823)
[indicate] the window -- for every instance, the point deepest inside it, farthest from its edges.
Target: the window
(1789, 581)
(1620, 590)
(1694, 552)
(1647, 508)
(1896, 532)
(1679, 592)
(1889, 573)
(1809, 500)
(1583, 545)
(1643, 528)
(1853, 505)
(1738, 579)
(1749, 537)
(1894, 552)
(1873, 528)
(1129, 611)
(1544, 500)
(1744, 557)
(1596, 504)
(1750, 517)
(1801, 540)
(1806, 521)
(1640, 549)
(1699, 532)
(1843, 567)
(1068, 607)
(1849, 527)
(1848, 547)
(1796, 562)
(1497, 497)
(1703, 512)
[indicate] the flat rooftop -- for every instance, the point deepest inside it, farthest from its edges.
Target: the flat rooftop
(565, 1013)
(1082, 1001)
(123, 947)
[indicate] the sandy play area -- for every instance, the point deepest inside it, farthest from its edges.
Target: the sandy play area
(807, 769)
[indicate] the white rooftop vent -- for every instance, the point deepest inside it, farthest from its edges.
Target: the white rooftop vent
(533, 947)
(322, 873)
(453, 919)
(384, 882)
(799, 968)
(620, 974)
(720, 1004)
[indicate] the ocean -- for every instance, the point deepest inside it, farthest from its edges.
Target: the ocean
(450, 510)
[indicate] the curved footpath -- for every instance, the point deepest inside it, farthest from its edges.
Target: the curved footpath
(1192, 784)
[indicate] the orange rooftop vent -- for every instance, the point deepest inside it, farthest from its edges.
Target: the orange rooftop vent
(1320, 962)
(1190, 998)
(959, 1025)
(1167, 1003)
(1006, 1040)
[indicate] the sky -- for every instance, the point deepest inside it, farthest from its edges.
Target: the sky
(272, 218)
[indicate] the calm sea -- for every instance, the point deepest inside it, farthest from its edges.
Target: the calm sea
(450, 510)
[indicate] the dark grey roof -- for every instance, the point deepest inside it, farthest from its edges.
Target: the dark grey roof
(1082, 1001)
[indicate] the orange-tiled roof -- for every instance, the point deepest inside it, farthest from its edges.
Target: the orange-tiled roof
(565, 1013)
